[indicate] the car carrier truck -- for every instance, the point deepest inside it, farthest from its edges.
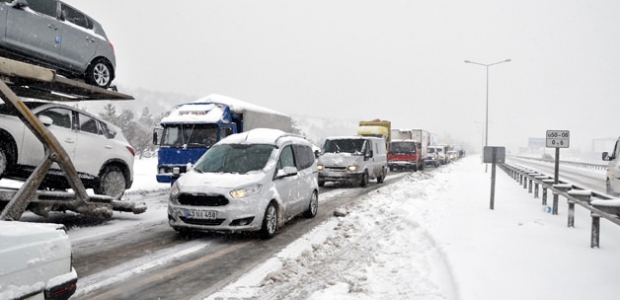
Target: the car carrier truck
(190, 129)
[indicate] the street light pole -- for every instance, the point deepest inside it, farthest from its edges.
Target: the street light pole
(486, 126)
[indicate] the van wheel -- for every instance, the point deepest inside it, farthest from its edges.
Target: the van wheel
(364, 181)
(270, 222)
(381, 177)
(313, 206)
(99, 73)
(111, 182)
(608, 189)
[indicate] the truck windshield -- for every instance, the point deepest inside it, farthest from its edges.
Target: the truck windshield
(235, 158)
(402, 147)
(190, 135)
(355, 146)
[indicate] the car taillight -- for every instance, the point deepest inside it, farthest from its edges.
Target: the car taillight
(133, 152)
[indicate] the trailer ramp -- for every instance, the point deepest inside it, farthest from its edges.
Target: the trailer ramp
(20, 79)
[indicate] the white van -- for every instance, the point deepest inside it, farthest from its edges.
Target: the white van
(353, 159)
(613, 170)
(251, 181)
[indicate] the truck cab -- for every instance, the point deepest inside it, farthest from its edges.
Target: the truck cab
(405, 155)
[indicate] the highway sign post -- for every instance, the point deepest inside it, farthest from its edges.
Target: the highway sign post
(557, 139)
(493, 155)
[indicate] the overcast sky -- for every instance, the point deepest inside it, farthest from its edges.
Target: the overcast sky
(396, 60)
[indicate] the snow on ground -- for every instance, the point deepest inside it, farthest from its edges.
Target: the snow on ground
(433, 236)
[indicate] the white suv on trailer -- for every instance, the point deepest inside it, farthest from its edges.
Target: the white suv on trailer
(101, 155)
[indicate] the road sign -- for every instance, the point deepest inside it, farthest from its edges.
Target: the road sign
(558, 138)
(494, 155)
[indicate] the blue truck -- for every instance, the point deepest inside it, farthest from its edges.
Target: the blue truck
(190, 129)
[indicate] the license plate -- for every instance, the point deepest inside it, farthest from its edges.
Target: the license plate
(200, 214)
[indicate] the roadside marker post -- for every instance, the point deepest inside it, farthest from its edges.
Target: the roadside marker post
(557, 139)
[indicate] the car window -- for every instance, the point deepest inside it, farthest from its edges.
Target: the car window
(46, 7)
(286, 158)
(304, 156)
(88, 124)
(61, 117)
(74, 16)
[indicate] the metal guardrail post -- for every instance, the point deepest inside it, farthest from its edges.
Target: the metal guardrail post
(529, 188)
(571, 213)
(544, 195)
(554, 209)
(596, 229)
(535, 190)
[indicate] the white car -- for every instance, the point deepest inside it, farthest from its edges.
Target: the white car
(36, 261)
(101, 155)
(251, 181)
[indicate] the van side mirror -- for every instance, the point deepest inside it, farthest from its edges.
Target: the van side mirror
(317, 153)
(286, 171)
(20, 3)
(369, 154)
(606, 156)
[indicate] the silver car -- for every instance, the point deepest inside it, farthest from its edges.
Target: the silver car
(251, 181)
(53, 34)
(101, 155)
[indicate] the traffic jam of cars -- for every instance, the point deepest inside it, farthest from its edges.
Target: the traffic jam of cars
(232, 166)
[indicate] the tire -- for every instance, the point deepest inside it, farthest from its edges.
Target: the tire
(313, 206)
(364, 180)
(270, 222)
(4, 160)
(99, 73)
(381, 177)
(321, 183)
(609, 190)
(112, 182)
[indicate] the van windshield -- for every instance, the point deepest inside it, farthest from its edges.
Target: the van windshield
(235, 158)
(354, 146)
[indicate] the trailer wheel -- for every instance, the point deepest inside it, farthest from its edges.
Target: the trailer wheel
(111, 182)
(99, 73)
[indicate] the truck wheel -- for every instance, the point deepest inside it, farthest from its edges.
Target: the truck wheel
(364, 181)
(111, 182)
(99, 73)
(321, 183)
(270, 222)
(421, 168)
(313, 206)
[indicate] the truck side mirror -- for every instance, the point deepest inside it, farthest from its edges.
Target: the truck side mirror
(155, 140)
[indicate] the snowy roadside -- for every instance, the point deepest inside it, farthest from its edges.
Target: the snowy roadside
(433, 236)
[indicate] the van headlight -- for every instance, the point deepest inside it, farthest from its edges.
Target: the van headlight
(320, 167)
(246, 191)
(175, 191)
(352, 168)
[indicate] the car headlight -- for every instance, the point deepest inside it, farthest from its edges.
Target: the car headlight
(246, 191)
(320, 167)
(175, 191)
(352, 168)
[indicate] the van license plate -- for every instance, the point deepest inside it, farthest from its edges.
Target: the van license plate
(199, 214)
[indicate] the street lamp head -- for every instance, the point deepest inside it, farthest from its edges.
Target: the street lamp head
(467, 61)
(507, 60)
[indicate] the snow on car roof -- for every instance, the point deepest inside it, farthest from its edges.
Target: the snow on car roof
(352, 137)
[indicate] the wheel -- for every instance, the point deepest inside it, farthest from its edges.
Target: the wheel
(313, 206)
(321, 183)
(111, 182)
(99, 73)
(436, 164)
(270, 222)
(421, 168)
(381, 177)
(364, 181)
(4, 160)
(609, 190)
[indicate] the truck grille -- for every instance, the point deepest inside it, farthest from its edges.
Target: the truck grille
(202, 200)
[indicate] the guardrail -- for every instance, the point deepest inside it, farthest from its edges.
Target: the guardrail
(568, 163)
(600, 205)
